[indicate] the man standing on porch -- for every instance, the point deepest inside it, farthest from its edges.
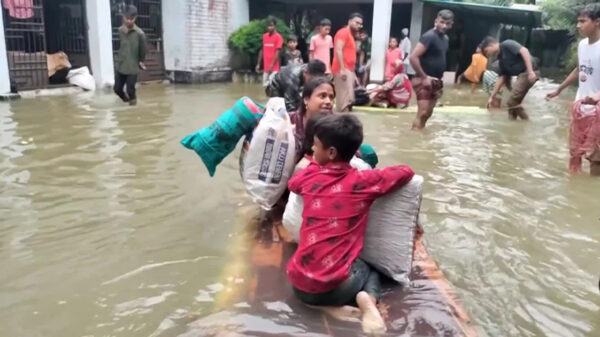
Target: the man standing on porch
(344, 62)
(132, 52)
(429, 62)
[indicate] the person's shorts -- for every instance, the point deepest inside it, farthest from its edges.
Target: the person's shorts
(432, 93)
(520, 89)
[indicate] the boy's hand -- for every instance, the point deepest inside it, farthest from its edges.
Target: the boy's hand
(553, 94)
(142, 66)
(490, 102)
(257, 68)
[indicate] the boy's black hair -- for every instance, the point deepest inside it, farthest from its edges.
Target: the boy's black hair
(325, 22)
(292, 37)
(343, 132)
(272, 21)
(446, 14)
(591, 11)
(486, 42)
(355, 15)
(309, 131)
(316, 67)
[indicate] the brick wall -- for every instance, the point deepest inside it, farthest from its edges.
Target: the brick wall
(208, 27)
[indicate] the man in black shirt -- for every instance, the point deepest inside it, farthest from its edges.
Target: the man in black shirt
(514, 60)
(288, 82)
(428, 59)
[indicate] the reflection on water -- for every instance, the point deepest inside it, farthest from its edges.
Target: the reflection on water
(110, 228)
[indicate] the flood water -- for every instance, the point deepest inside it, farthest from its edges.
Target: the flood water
(109, 227)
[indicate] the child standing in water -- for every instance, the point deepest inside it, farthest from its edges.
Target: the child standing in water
(132, 52)
(326, 270)
(475, 71)
(585, 113)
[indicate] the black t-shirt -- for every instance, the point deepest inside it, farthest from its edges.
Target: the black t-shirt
(510, 59)
(433, 61)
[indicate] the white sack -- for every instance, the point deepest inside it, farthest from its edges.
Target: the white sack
(82, 78)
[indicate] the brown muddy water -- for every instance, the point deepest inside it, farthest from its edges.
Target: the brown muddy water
(109, 227)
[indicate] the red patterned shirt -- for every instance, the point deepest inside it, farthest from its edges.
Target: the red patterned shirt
(337, 199)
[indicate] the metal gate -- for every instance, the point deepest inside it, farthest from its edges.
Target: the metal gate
(150, 21)
(26, 44)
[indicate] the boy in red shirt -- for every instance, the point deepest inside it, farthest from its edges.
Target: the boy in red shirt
(325, 270)
(272, 43)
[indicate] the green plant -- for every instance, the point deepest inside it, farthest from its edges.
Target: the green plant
(248, 38)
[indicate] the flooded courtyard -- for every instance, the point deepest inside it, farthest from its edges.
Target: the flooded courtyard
(109, 227)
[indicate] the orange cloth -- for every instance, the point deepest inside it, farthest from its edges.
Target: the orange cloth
(349, 51)
(477, 67)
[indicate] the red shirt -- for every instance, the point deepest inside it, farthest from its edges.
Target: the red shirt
(349, 51)
(271, 44)
(337, 199)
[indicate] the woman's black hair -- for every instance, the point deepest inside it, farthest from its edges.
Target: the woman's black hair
(310, 87)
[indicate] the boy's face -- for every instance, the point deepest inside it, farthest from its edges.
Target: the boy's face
(442, 25)
(292, 44)
(271, 28)
(586, 26)
(492, 49)
(393, 43)
(321, 154)
(129, 22)
(325, 30)
(363, 36)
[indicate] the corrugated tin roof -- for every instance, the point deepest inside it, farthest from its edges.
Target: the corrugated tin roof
(514, 15)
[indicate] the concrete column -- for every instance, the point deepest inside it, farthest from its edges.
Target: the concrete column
(4, 74)
(240, 13)
(100, 42)
(382, 19)
(416, 22)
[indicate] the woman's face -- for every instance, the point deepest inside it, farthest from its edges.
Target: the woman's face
(320, 100)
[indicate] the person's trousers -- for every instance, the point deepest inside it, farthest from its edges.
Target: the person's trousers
(362, 278)
(122, 80)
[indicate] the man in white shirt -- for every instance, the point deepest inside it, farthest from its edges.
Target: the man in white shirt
(585, 121)
(406, 47)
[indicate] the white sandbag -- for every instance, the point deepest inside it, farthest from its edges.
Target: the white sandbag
(82, 78)
(292, 216)
(269, 161)
(391, 231)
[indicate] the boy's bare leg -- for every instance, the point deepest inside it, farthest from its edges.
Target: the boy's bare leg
(595, 168)
(425, 109)
(372, 322)
(345, 313)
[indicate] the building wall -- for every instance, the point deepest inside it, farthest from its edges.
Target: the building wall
(195, 33)
(4, 75)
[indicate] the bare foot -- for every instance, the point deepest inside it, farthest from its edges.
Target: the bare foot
(372, 322)
(345, 313)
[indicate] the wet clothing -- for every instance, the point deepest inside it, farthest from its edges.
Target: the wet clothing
(393, 63)
(122, 80)
(519, 90)
(432, 93)
(510, 59)
(321, 48)
(291, 57)
(349, 50)
(272, 43)
(337, 199)
(344, 90)
(584, 136)
(433, 61)
(132, 50)
(397, 91)
(490, 78)
(362, 277)
(476, 69)
(288, 83)
(589, 72)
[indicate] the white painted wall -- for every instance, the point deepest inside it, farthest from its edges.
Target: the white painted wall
(175, 35)
(100, 42)
(382, 19)
(240, 13)
(4, 75)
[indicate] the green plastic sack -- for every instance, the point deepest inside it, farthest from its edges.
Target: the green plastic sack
(216, 141)
(367, 153)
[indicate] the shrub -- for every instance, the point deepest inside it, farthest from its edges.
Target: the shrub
(248, 38)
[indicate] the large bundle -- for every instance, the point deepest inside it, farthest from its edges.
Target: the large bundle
(268, 162)
(391, 229)
(216, 141)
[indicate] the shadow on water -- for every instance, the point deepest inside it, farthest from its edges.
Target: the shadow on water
(109, 227)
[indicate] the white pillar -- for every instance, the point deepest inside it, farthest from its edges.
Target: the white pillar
(416, 22)
(100, 42)
(240, 13)
(4, 74)
(176, 41)
(382, 19)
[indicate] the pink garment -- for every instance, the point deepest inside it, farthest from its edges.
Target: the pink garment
(393, 63)
(321, 47)
(19, 9)
(584, 135)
